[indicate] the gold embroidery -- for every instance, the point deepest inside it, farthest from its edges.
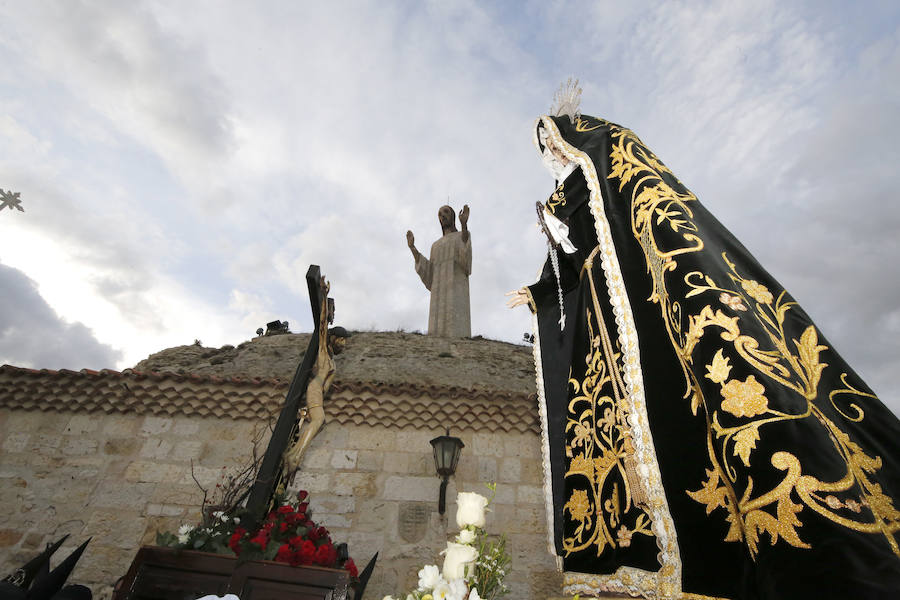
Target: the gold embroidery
(582, 125)
(732, 302)
(657, 208)
(757, 291)
(558, 198)
(600, 448)
(579, 507)
(849, 390)
(718, 369)
(667, 581)
(626, 580)
(744, 398)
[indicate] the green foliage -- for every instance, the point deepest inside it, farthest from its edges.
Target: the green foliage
(490, 567)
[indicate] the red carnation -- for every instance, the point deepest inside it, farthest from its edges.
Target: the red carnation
(302, 507)
(283, 527)
(234, 541)
(261, 539)
(307, 552)
(283, 510)
(351, 567)
(325, 555)
(285, 554)
(295, 559)
(302, 495)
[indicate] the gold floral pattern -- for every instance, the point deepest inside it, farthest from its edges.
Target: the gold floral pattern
(578, 506)
(732, 302)
(624, 536)
(744, 398)
(717, 371)
(757, 291)
(662, 222)
(755, 335)
(647, 489)
(558, 198)
(601, 448)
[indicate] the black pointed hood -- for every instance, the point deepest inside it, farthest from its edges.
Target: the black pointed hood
(47, 586)
(37, 566)
(364, 578)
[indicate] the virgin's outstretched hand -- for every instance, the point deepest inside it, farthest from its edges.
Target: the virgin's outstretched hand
(517, 298)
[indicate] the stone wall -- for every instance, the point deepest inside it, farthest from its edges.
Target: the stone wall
(376, 488)
(122, 477)
(117, 478)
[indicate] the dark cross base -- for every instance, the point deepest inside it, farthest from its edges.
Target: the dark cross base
(269, 476)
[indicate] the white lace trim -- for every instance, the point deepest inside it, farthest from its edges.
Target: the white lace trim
(545, 439)
(667, 581)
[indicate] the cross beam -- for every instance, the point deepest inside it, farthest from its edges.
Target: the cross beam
(269, 475)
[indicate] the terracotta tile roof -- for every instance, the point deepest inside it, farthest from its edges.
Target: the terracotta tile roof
(396, 405)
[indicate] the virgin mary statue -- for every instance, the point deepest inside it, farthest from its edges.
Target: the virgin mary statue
(701, 438)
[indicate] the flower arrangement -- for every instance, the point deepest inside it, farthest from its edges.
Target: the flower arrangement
(474, 566)
(287, 535)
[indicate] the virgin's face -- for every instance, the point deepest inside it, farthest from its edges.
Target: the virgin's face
(556, 152)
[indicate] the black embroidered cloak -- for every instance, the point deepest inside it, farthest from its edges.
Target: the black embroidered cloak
(701, 438)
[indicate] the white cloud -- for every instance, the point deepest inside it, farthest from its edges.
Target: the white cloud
(186, 163)
(33, 335)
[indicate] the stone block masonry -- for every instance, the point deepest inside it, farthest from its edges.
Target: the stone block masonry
(393, 510)
(122, 477)
(116, 478)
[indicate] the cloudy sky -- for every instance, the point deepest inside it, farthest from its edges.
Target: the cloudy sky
(182, 163)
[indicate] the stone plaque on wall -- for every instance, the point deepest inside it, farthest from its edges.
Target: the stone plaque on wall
(413, 522)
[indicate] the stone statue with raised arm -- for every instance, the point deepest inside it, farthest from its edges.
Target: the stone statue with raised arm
(446, 275)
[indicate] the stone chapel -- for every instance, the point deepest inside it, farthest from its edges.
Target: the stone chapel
(114, 455)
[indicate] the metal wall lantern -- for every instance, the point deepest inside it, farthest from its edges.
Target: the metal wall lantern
(446, 455)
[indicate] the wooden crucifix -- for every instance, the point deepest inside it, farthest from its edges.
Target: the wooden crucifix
(272, 472)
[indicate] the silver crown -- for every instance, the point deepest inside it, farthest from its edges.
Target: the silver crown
(567, 100)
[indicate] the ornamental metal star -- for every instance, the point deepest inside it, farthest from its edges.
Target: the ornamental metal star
(10, 200)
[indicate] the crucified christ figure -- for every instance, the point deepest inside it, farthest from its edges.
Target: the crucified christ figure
(312, 416)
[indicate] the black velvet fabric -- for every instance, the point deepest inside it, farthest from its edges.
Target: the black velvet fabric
(778, 464)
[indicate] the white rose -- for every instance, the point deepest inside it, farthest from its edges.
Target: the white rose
(457, 558)
(466, 536)
(473, 595)
(388, 597)
(458, 589)
(441, 590)
(470, 509)
(429, 577)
